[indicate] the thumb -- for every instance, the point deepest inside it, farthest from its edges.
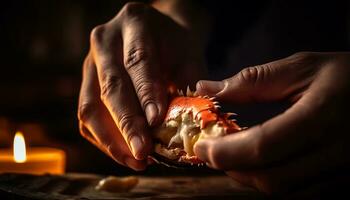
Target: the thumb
(269, 82)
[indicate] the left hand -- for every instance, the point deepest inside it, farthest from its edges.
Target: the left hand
(132, 59)
(306, 143)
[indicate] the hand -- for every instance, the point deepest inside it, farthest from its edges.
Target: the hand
(307, 142)
(132, 59)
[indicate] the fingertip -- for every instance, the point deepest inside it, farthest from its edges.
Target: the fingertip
(210, 88)
(126, 160)
(200, 150)
(135, 164)
(156, 109)
(140, 146)
(161, 112)
(137, 146)
(210, 152)
(200, 87)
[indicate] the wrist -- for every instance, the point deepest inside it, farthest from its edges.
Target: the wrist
(188, 14)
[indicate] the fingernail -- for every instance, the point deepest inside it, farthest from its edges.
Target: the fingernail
(209, 87)
(136, 146)
(151, 113)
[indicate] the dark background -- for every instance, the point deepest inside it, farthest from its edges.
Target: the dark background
(43, 45)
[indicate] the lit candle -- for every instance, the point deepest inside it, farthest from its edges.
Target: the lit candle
(34, 160)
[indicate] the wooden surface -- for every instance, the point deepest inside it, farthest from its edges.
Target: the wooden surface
(81, 186)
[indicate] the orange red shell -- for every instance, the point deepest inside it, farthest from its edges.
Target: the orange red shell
(204, 109)
(203, 112)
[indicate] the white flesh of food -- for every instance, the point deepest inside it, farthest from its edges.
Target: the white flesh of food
(184, 132)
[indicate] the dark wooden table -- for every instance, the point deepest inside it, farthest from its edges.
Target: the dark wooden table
(81, 186)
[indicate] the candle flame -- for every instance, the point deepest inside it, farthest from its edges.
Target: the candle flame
(19, 148)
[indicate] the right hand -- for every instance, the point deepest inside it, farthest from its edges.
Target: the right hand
(304, 147)
(132, 59)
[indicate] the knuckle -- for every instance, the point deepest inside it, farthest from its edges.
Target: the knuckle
(110, 82)
(134, 57)
(85, 111)
(144, 91)
(254, 75)
(249, 75)
(82, 130)
(86, 134)
(126, 124)
(97, 34)
(134, 9)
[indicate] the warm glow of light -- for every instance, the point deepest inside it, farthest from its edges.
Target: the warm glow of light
(19, 148)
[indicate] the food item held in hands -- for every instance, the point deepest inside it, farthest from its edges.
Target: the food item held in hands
(117, 184)
(189, 119)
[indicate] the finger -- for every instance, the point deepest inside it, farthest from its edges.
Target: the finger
(269, 82)
(291, 132)
(118, 95)
(112, 150)
(319, 165)
(97, 125)
(142, 64)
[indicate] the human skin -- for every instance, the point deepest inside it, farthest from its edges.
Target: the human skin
(306, 142)
(132, 60)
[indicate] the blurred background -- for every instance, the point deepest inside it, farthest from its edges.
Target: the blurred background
(43, 45)
(42, 50)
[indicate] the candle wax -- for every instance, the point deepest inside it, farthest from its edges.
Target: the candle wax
(40, 160)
